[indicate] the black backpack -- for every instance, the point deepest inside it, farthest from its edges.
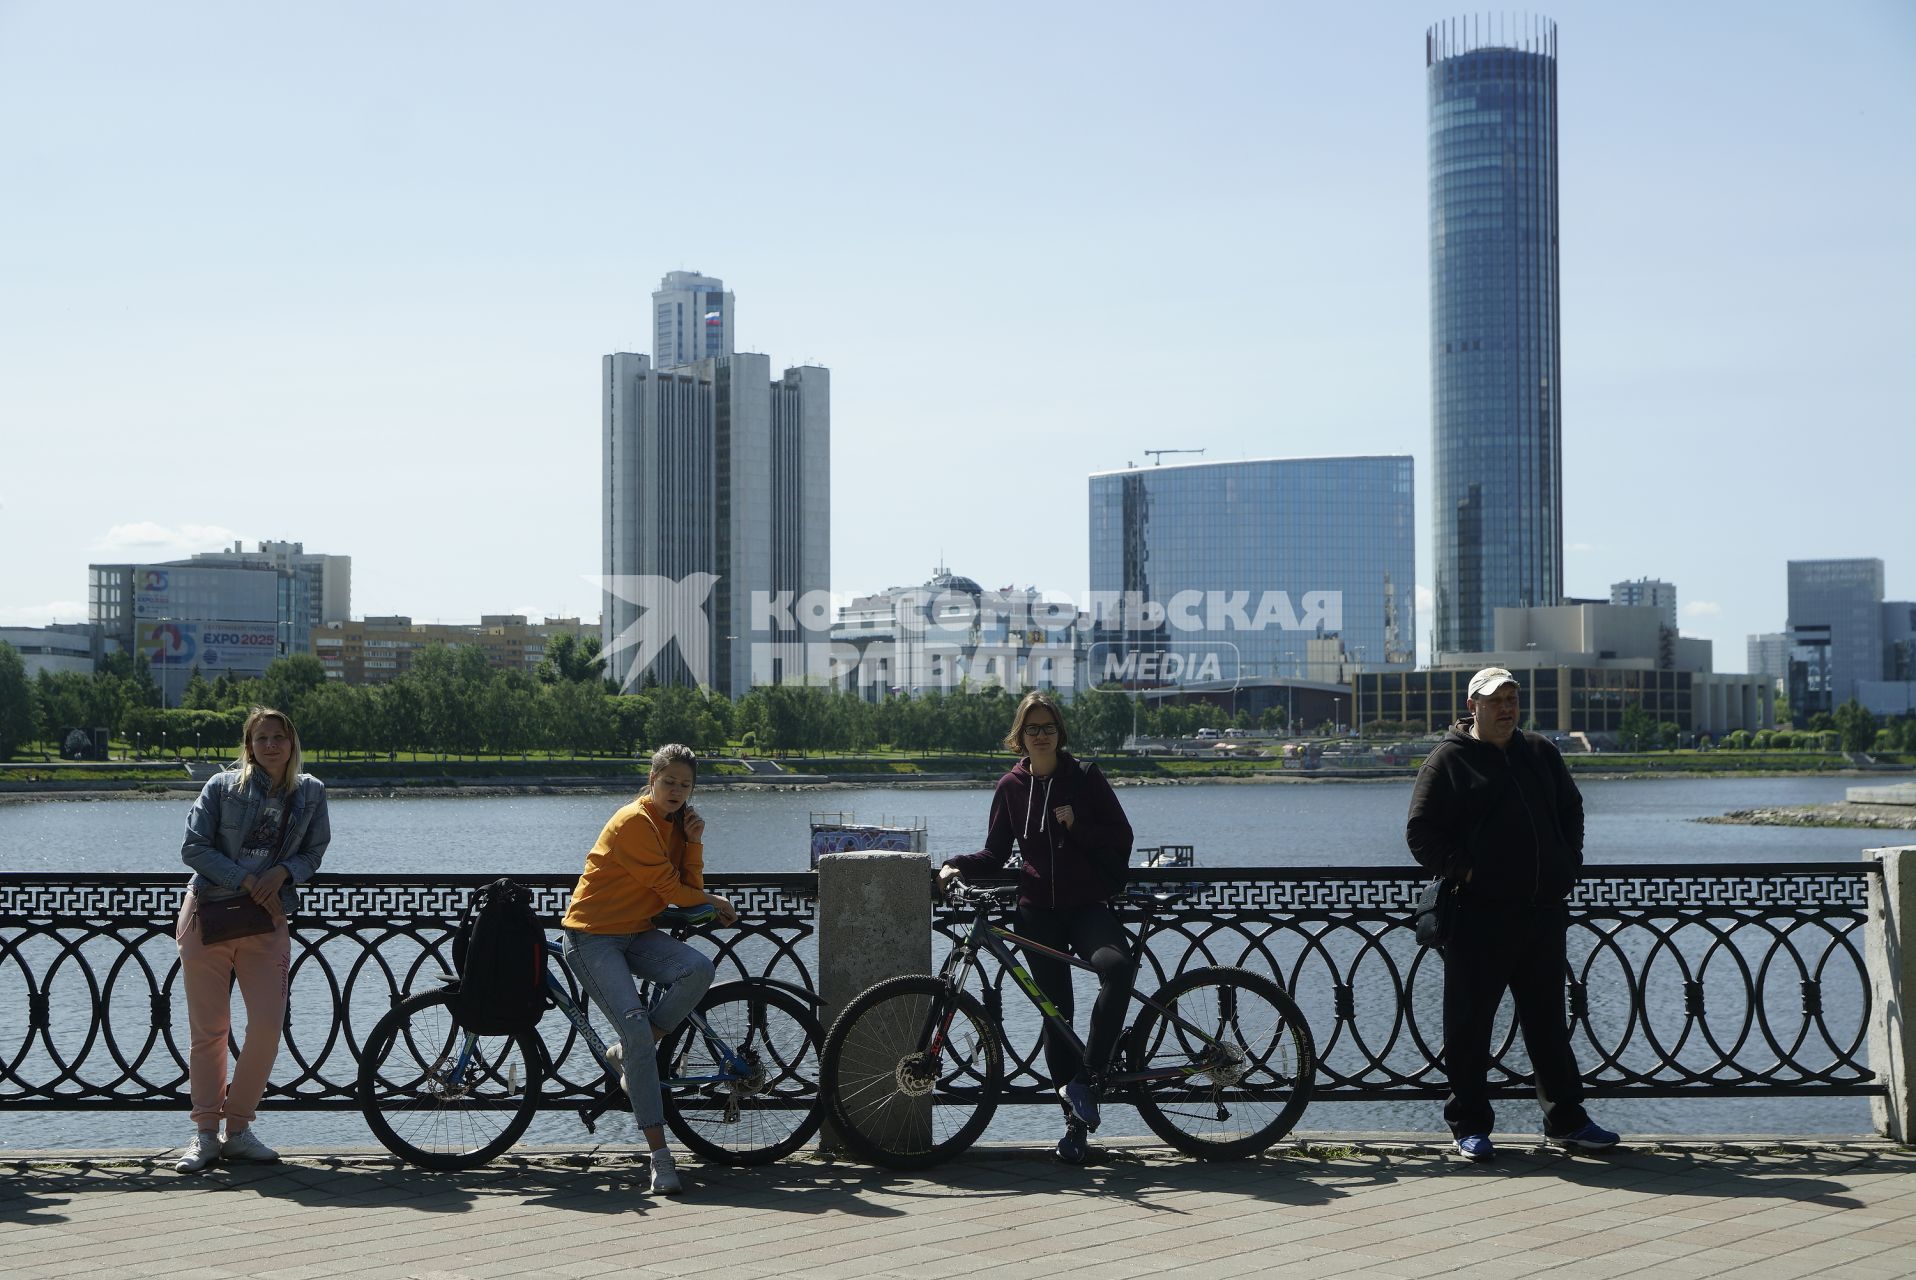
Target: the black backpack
(500, 955)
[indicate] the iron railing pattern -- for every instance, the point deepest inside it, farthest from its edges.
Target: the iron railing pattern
(92, 1014)
(1736, 979)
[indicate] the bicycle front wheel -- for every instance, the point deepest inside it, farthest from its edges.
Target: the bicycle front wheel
(913, 1070)
(1237, 1059)
(440, 1097)
(763, 1104)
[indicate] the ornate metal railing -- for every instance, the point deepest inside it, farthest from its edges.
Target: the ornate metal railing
(1745, 979)
(92, 1014)
(1739, 979)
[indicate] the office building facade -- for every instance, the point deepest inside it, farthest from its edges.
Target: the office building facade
(1836, 632)
(180, 617)
(1768, 655)
(691, 320)
(379, 650)
(1227, 571)
(1496, 364)
(319, 587)
(1580, 667)
(717, 522)
(1650, 592)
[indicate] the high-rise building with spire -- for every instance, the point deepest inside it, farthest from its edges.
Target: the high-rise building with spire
(717, 508)
(691, 320)
(1496, 385)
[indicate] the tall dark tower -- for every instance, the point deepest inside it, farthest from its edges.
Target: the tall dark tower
(1496, 391)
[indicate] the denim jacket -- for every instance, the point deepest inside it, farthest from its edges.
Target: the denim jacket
(222, 817)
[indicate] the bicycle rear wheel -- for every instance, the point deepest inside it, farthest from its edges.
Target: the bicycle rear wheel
(439, 1097)
(1241, 1089)
(770, 1111)
(912, 1072)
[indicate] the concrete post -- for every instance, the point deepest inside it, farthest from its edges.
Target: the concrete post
(1890, 949)
(874, 922)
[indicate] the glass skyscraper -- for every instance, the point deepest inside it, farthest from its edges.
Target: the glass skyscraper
(1495, 362)
(1228, 570)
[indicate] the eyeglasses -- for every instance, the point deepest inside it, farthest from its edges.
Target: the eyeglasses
(1041, 727)
(271, 740)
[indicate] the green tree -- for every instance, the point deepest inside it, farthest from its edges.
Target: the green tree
(512, 713)
(137, 675)
(679, 714)
(337, 718)
(1856, 726)
(199, 694)
(16, 702)
(580, 719)
(1635, 728)
(571, 659)
(1101, 719)
(288, 682)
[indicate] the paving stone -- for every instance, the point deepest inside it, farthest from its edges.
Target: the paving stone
(1394, 1211)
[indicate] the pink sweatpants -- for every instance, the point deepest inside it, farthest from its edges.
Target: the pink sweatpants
(207, 972)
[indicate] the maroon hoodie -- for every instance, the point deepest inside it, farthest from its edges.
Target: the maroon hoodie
(1063, 867)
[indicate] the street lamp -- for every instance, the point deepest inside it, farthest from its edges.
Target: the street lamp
(1337, 715)
(1357, 691)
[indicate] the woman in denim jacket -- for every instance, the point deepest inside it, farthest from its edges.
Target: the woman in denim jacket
(257, 830)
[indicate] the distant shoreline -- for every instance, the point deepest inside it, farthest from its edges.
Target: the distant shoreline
(443, 788)
(1866, 817)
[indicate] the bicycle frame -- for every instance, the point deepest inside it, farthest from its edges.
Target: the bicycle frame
(574, 1012)
(986, 936)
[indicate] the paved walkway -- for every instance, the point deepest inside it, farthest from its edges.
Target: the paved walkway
(1760, 1209)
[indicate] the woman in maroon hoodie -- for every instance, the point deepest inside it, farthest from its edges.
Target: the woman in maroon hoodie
(1076, 843)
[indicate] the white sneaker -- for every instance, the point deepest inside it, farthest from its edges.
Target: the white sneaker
(665, 1174)
(615, 1058)
(245, 1145)
(201, 1152)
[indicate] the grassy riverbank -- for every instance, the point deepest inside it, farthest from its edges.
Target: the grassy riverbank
(497, 776)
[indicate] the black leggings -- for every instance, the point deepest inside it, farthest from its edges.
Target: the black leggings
(1094, 934)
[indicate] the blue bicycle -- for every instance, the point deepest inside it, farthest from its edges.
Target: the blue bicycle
(739, 1078)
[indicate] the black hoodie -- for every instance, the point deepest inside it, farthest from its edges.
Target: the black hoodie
(1510, 816)
(1063, 867)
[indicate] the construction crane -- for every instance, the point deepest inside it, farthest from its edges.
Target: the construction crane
(1157, 455)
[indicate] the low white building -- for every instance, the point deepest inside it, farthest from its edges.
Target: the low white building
(74, 647)
(951, 633)
(1581, 665)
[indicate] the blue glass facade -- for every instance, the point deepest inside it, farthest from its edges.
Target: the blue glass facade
(1496, 384)
(1251, 561)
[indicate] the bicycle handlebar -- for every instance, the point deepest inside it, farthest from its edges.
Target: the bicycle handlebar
(687, 917)
(963, 894)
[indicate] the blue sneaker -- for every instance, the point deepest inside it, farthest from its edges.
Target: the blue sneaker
(1074, 1147)
(1592, 1137)
(1476, 1146)
(1076, 1096)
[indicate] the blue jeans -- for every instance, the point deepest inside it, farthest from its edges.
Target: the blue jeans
(607, 966)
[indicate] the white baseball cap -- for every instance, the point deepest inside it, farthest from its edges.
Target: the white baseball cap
(1488, 681)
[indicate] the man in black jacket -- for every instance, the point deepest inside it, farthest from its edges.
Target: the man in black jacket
(1496, 809)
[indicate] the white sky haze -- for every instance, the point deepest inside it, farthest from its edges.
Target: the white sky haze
(343, 274)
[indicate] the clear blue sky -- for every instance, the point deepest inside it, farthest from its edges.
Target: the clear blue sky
(343, 274)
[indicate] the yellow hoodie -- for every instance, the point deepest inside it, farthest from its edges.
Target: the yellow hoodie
(641, 864)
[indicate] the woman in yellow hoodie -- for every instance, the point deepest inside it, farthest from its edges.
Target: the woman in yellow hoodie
(650, 856)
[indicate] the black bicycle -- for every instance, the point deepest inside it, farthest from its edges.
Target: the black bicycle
(1219, 1062)
(739, 1077)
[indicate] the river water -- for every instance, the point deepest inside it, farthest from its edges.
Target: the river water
(1325, 823)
